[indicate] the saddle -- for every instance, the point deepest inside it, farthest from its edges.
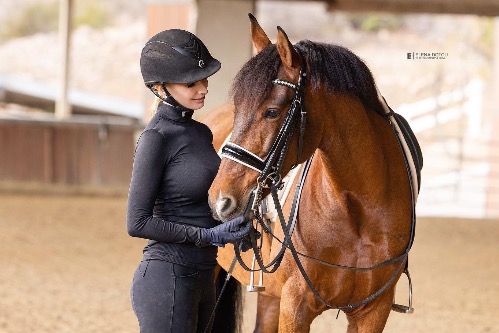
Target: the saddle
(412, 143)
(409, 143)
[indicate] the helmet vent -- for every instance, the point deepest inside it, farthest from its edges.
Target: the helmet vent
(192, 49)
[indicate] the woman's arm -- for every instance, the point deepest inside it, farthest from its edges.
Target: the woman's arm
(147, 174)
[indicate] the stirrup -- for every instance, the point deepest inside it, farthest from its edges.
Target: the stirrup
(252, 287)
(404, 308)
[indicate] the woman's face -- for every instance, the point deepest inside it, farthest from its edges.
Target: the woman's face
(189, 95)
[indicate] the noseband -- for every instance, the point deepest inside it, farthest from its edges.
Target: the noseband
(270, 166)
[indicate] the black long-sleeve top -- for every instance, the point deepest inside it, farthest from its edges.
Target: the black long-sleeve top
(174, 166)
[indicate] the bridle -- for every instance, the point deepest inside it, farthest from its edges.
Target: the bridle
(271, 166)
(269, 177)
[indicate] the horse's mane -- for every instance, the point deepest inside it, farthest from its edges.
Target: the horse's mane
(334, 67)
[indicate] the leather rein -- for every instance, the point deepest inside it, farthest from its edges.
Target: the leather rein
(270, 178)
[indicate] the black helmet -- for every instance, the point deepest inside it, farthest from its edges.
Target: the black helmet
(176, 56)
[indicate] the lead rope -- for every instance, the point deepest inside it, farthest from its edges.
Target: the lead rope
(254, 201)
(227, 278)
(289, 244)
(231, 268)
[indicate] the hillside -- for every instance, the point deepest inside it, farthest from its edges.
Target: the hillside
(105, 60)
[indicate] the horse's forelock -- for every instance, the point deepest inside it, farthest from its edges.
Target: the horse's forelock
(332, 67)
(254, 81)
(338, 70)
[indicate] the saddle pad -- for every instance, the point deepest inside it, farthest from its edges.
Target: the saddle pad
(412, 143)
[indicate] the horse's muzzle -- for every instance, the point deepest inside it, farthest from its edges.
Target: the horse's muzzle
(227, 206)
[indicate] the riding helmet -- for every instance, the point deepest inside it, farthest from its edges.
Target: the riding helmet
(176, 56)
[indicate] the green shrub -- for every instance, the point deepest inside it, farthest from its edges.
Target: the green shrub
(486, 39)
(35, 17)
(92, 13)
(44, 17)
(376, 21)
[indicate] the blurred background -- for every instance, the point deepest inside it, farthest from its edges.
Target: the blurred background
(72, 102)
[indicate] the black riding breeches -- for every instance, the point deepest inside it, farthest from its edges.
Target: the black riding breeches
(171, 298)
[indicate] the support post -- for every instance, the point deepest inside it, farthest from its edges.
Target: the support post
(163, 15)
(62, 107)
(492, 208)
(224, 27)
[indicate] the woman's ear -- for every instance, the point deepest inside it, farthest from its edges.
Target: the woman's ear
(158, 88)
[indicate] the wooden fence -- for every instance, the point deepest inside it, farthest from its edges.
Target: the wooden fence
(461, 160)
(85, 152)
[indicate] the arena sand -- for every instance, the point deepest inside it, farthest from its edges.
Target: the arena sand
(67, 264)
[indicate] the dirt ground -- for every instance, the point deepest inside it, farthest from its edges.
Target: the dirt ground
(67, 263)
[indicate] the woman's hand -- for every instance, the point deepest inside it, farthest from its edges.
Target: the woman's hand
(228, 232)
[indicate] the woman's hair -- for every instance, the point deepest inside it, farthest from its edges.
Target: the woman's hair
(154, 106)
(157, 100)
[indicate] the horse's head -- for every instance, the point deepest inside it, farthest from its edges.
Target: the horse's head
(269, 135)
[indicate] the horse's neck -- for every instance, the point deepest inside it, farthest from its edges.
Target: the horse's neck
(365, 190)
(351, 150)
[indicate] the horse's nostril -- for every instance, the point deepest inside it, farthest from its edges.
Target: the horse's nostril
(225, 205)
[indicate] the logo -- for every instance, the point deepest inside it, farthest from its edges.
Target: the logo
(427, 55)
(201, 63)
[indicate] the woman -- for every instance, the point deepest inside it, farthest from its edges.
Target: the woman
(174, 165)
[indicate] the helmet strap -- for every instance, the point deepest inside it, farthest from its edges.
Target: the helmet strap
(169, 98)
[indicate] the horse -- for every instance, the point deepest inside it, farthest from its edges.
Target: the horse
(354, 222)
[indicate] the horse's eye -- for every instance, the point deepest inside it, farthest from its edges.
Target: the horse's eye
(271, 113)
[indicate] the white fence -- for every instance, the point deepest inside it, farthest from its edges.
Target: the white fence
(456, 149)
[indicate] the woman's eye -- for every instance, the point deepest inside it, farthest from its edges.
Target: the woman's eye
(271, 113)
(190, 85)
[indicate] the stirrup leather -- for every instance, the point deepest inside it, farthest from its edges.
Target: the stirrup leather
(252, 287)
(404, 308)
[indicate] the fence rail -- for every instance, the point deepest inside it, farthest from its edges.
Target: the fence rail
(460, 176)
(460, 182)
(84, 152)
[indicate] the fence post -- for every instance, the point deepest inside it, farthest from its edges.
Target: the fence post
(62, 107)
(492, 209)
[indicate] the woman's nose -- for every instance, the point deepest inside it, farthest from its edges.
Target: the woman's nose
(203, 86)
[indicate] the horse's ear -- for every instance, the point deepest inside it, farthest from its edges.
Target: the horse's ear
(258, 36)
(287, 52)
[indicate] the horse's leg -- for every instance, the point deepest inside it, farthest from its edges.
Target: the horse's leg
(267, 314)
(372, 317)
(296, 314)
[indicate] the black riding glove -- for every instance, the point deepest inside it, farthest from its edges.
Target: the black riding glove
(228, 232)
(245, 242)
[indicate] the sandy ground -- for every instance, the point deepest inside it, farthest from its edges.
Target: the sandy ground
(67, 263)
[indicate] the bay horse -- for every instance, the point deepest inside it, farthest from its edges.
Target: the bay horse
(354, 224)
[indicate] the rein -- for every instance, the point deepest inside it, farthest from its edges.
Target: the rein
(269, 169)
